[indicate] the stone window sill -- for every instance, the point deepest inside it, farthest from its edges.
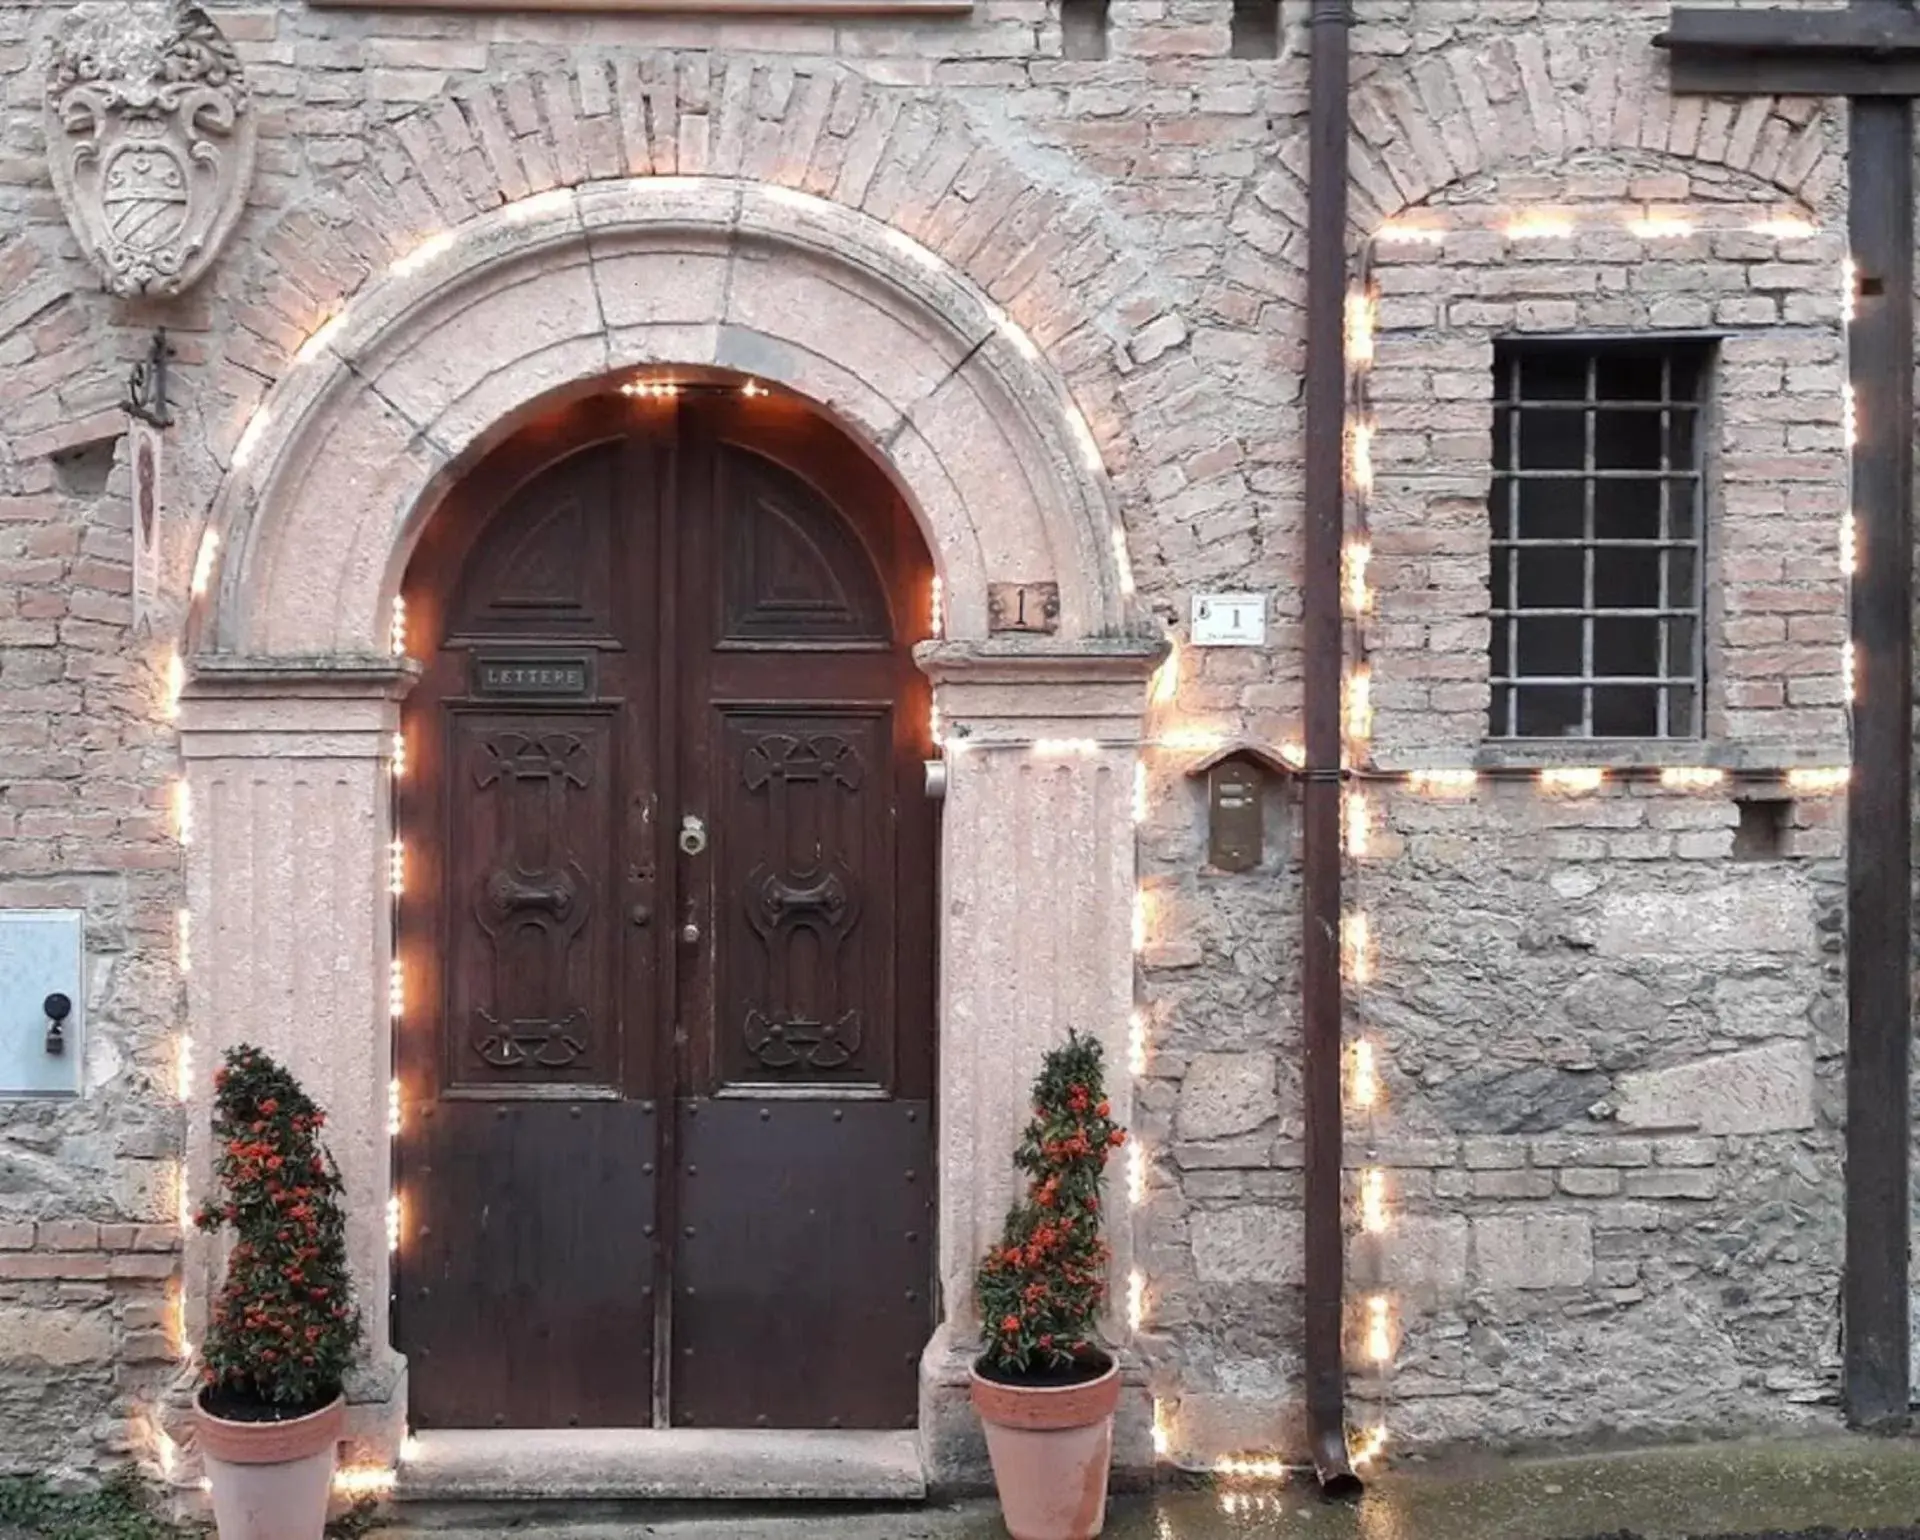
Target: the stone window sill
(1619, 754)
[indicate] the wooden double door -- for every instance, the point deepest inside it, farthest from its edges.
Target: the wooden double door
(665, 1066)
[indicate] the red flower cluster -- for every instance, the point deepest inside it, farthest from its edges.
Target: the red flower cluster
(283, 1329)
(1041, 1288)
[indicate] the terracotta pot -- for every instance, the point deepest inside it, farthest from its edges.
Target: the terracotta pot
(1051, 1447)
(271, 1480)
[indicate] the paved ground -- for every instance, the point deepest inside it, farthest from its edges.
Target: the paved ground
(1857, 1488)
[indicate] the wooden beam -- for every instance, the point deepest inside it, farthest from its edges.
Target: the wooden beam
(1859, 52)
(1880, 802)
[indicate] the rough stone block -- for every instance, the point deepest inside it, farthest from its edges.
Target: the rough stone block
(56, 1339)
(1756, 1091)
(1533, 1251)
(1252, 1243)
(1756, 914)
(1227, 1093)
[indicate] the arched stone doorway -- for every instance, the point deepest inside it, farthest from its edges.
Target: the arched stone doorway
(669, 928)
(289, 716)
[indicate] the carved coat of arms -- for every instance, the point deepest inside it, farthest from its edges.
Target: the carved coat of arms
(151, 139)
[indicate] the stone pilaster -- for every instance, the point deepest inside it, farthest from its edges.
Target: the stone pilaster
(287, 888)
(1037, 895)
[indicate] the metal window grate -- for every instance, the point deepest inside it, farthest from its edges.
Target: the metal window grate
(1596, 515)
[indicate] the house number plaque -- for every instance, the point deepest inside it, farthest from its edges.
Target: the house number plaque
(533, 678)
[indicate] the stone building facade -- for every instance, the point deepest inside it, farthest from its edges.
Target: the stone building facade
(1049, 272)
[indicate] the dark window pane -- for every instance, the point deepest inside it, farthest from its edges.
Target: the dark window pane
(1628, 377)
(1680, 638)
(1502, 438)
(1626, 648)
(1626, 579)
(1689, 373)
(1553, 439)
(1502, 573)
(1553, 376)
(1683, 502)
(1550, 647)
(1553, 510)
(1626, 510)
(1497, 708)
(1502, 653)
(1552, 577)
(1680, 592)
(1549, 711)
(1625, 711)
(1681, 425)
(1682, 712)
(1626, 440)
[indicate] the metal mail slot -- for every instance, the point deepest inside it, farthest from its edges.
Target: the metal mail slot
(533, 678)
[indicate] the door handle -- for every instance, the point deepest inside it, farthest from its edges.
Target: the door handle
(693, 835)
(690, 933)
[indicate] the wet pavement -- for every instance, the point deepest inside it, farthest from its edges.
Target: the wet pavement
(1838, 1488)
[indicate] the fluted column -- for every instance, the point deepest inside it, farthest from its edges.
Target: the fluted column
(1036, 938)
(287, 889)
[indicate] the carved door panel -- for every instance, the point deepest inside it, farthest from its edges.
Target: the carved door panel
(532, 1014)
(666, 1050)
(804, 1252)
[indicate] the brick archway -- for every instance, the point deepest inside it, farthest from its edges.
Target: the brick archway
(292, 701)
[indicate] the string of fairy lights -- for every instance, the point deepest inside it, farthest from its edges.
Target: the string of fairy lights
(1375, 1317)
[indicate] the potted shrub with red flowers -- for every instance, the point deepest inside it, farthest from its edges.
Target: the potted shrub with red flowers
(284, 1328)
(1045, 1388)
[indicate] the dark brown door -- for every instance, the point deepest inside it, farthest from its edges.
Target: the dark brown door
(666, 1052)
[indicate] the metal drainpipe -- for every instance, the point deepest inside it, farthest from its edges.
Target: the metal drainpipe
(1320, 941)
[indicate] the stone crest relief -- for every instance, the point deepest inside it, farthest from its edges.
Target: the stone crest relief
(151, 139)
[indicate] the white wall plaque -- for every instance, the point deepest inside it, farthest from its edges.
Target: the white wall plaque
(41, 955)
(1229, 620)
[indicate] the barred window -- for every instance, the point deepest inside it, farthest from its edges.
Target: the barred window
(1596, 512)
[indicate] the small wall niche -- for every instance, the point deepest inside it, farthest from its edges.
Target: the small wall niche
(1762, 831)
(1255, 32)
(1083, 29)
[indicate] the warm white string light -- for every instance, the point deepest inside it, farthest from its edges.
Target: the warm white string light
(183, 939)
(1359, 823)
(1573, 780)
(1359, 703)
(1353, 577)
(250, 437)
(1136, 1172)
(393, 1109)
(1137, 1051)
(937, 607)
(1831, 778)
(1362, 311)
(183, 811)
(413, 261)
(203, 561)
(398, 763)
(176, 681)
(322, 337)
(1360, 468)
(650, 390)
(1661, 227)
(1373, 1200)
(1363, 1080)
(397, 868)
(396, 990)
(1136, 1299)
(1379, 1329)
(1140, 807)
(397, 627)
(393, 1222)
(1849, 545)
(1692, 778)
(364, 1481)
(1443, 783)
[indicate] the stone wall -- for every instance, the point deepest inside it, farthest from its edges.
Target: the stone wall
(1611, 1115)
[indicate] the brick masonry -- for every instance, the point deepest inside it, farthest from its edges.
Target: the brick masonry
(1611, 1048)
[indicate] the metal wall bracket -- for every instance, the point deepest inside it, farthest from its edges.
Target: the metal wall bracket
(147, 384)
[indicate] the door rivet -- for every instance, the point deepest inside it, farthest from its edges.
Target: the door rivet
(646, 1229)
(838, 1115)
(647, 1108)
(765, 1113)
(912, 1236)
(647, 1169)
(689, 1232)
(693, 1170)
